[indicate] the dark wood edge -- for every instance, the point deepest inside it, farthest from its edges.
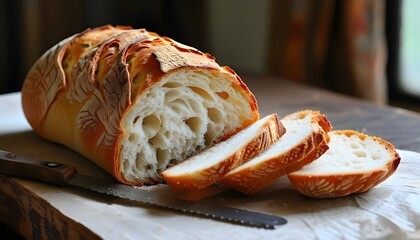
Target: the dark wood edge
(392, 31)
(34, 218)
(397, 96)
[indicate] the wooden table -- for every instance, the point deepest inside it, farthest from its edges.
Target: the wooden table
(401, 127)
(38, 218)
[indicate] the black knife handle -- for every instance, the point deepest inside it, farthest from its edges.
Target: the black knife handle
(16, 165)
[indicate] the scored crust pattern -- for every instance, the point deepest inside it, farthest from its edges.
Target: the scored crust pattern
(104, 109)
(45, 80)
(84, 91)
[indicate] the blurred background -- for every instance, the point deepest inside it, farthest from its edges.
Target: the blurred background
(363, 48)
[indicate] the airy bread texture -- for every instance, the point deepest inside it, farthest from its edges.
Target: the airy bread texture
(354, 162)
(134, 102)
(319, 162)
(306, 132)
(207, 167)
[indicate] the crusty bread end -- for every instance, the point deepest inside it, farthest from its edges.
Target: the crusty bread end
(355, 162)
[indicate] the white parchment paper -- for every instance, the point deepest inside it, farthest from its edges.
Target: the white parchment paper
(389, 211)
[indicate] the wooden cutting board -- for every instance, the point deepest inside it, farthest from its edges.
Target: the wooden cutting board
(41, 211)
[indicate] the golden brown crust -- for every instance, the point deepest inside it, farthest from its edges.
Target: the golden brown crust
(337, 185)
(309, 158)
(270, 132)
(77, 93)
(255, 177)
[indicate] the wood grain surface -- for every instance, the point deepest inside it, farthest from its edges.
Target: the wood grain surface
(34, 218)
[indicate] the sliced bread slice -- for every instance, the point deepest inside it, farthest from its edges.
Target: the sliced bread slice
(312, 156)
(355, 162)
(306, 131)
(209, 166)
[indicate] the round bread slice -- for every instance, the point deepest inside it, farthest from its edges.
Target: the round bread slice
(305, 133)
(209, 166)
(355, 162)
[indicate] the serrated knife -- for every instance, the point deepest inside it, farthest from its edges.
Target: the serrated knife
(61, 174)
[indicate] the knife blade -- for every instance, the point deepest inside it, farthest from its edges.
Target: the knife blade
(61, 174)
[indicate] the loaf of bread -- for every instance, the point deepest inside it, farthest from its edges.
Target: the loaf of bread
(306, 131)
(208, 167)
(354, 163)
(134, 102)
